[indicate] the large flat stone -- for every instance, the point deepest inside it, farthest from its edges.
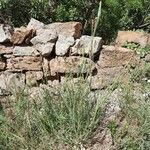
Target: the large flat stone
(24, 63)
(68, 28)
(25, 51)
(112, 56)
(140, 38)
(6, 49)
(73, 64)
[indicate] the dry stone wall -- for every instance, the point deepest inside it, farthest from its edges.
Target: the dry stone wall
(36, 53)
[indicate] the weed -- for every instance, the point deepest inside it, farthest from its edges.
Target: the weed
(138, 49)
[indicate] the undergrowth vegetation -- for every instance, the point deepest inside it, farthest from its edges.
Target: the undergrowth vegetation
(65, 118)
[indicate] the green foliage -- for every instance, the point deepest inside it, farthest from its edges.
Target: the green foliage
(16, 10)
(138, 49)
(136, 135)
(140, 73)
(116, 14)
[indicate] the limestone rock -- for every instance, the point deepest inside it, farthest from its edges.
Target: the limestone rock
(5, 33)
(73, 64)
(22, 35)
(25, 51)
(63, 44)
(44, 36)
(45, 49)
(117, 56)
(33, 76)
(11, 82)
(87, 45)
(140, 38)
(35, 24)
(68, 28)
(24, 63)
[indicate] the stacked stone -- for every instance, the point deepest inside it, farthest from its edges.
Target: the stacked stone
(28, 55)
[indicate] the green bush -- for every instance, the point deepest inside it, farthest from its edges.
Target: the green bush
(116, 14)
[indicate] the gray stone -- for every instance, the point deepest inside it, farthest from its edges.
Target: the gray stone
(44, 36)
(25, 51)
(87, 45)
(63, 44)
(35, 24)
(45, 49)
(5, 33)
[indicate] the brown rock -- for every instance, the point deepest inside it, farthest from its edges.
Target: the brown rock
(68, 28)
(6, 49)
(73, 64)
(33, 76)
(140, 38)
(24, 63)
(22, 35)
(107, 76)
(116, 56)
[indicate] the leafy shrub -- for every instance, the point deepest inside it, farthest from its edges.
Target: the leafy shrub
(138, 49)
(116, 14)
